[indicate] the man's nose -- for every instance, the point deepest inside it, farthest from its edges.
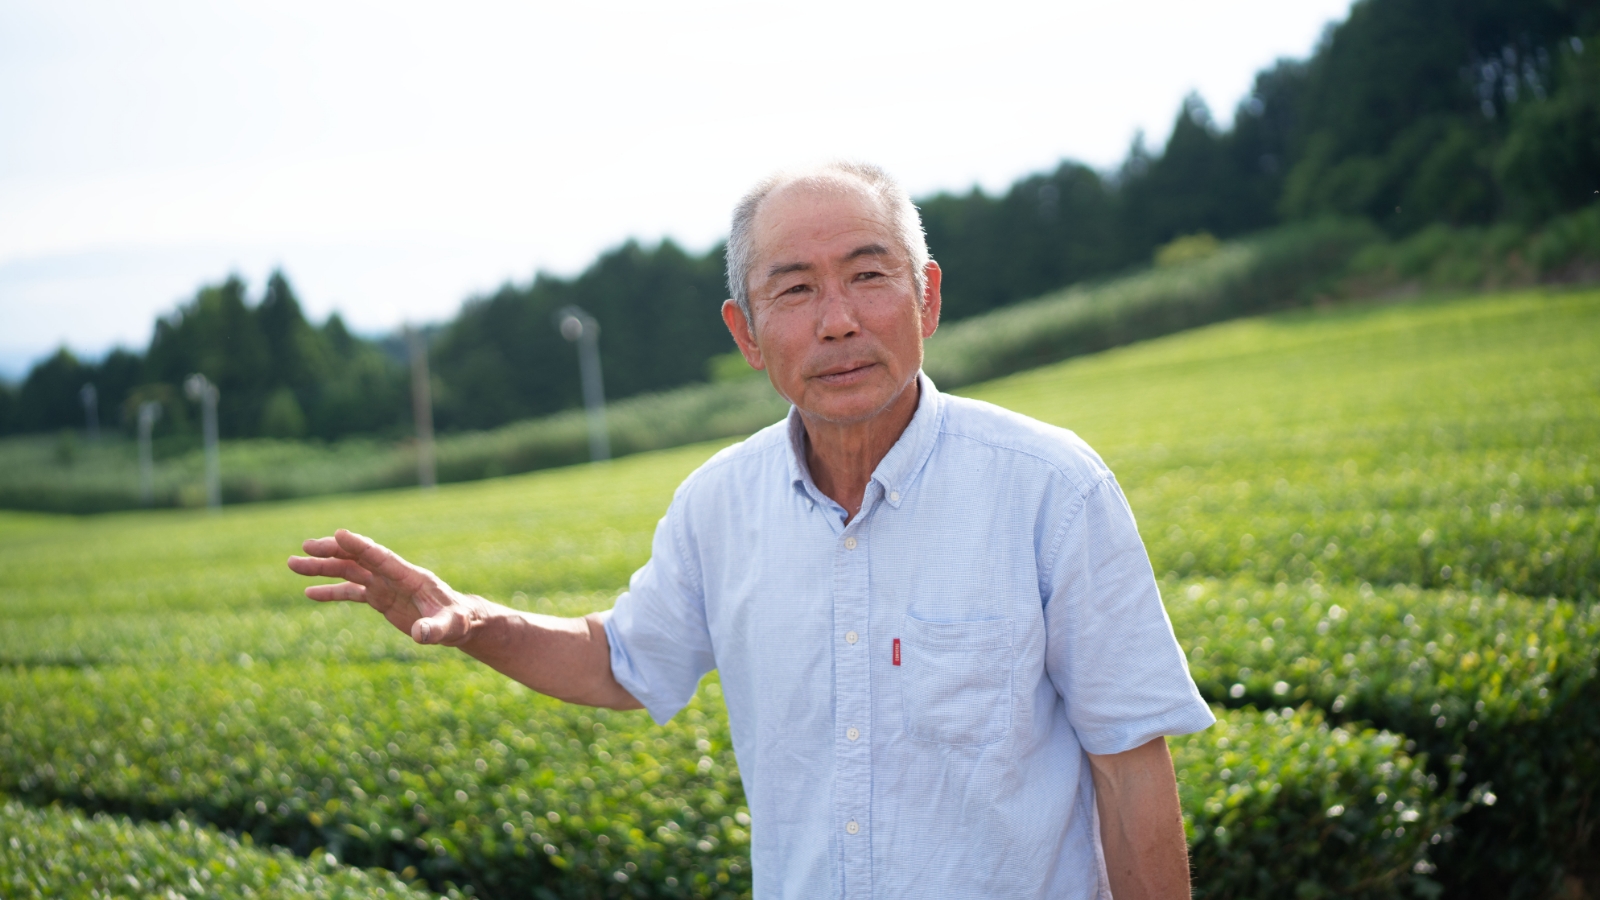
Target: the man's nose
(836, 317)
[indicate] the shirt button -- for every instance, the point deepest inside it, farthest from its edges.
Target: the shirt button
(894, 496)
(849, 543)
(852, 733)
(850, 637)
(851, 827)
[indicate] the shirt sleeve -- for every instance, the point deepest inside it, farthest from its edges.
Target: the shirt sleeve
(1110, 648)
(660, 644)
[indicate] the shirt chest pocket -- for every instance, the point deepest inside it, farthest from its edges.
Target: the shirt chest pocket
(955, 682)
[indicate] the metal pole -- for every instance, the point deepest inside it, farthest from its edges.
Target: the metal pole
(91, 409)
(580, 327)
(149, 412)
(422, 408)
(200, 388)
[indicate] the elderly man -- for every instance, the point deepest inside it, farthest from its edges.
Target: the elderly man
(946, 663)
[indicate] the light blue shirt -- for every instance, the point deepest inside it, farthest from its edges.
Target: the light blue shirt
(911, 694)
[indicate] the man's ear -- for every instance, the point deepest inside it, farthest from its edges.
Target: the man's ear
(743, 335)
(931, 300)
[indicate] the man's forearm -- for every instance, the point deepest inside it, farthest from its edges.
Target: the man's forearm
(569, 659)
(1141, 824)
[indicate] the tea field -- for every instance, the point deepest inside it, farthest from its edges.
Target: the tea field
(1376, 530)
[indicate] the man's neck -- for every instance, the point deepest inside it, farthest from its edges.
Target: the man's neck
(842, 457)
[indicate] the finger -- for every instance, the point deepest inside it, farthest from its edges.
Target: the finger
(378, 559)
(329, 568)
(323, 593)
(326, 547)
(448, 627)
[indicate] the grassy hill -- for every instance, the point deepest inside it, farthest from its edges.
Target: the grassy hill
(1403, 494)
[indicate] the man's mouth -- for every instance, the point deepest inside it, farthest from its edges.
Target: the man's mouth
(847, 373)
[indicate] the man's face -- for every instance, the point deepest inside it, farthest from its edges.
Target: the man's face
(838, 322)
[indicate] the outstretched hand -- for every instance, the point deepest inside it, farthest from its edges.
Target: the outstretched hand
(412, 598)
(569, 659)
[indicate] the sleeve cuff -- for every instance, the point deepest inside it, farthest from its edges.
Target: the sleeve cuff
(1187, 719)
(623, 670)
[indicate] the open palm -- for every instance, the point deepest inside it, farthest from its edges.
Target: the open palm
(412, 598)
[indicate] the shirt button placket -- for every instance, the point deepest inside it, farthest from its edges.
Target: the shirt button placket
(852, 689)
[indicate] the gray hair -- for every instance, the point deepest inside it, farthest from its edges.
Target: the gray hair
(903, 218)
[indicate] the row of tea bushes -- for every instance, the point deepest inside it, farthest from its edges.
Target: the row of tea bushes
(187, 638)
(1550, 548)
(1504, 687)
(1436, 443)
(447, 768)
(59, 854)
(1409, 503)
(334, 633)
(452, 772)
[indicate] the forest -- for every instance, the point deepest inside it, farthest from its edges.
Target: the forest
(1410, 114)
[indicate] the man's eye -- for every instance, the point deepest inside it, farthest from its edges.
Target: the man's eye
(798, 289)
(868, 276)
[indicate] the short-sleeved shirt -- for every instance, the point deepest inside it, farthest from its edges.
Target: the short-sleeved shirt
(911, 694)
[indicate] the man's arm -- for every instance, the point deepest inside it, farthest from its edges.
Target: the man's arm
(1141, 825)
(569, 659)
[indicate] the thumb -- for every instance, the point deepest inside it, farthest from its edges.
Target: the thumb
(447, 626)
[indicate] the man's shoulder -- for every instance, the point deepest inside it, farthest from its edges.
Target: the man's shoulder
(1052, 447)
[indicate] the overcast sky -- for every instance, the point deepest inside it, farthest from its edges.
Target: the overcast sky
(397, 158)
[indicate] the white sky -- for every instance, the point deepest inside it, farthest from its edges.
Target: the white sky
(396, 158)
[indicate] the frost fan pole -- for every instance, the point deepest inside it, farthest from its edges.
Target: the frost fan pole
(422, 408)
(149, 412)
(581, 328)
(91, 410)
(198, 387)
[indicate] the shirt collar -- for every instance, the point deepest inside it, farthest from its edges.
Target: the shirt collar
(905, 459)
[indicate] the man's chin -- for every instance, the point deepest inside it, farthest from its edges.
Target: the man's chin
(851, 405)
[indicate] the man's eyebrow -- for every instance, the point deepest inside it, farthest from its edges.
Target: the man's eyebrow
(867, 250)
(786, 268)
(857, 253)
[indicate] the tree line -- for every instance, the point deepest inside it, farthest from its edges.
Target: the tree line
(1409, 113)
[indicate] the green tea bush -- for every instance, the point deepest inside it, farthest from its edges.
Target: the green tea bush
(1281, 804)
(57, 854)
(1529, 525)
(301, 634)
(445, 768)
(1503, 687)
(450, 772)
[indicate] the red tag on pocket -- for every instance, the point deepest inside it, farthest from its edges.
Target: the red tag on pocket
(897, 651)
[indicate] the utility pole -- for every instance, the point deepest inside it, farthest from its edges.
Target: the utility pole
(581, 328)
(198, 387)
(91, 409)
(149, 412)
(422, 407)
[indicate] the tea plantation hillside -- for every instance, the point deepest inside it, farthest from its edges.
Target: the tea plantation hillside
(1376, 530)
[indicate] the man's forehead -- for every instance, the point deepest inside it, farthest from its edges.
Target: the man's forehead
(805, 216)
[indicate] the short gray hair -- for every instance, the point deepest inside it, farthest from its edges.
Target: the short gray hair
(903, 218)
